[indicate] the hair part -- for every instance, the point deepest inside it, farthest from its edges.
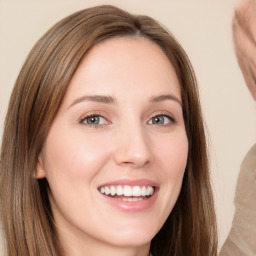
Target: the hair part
(37, 95)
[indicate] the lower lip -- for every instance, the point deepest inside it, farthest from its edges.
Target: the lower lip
(133, 206)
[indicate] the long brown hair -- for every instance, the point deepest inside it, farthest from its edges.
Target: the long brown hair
(39, 90)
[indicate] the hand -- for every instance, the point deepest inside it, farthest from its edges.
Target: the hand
(244, 35)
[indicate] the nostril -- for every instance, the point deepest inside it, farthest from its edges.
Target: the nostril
(135, 163)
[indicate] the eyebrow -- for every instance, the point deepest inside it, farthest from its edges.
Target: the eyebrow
(165, 97)
(110, 100)
(94, 98)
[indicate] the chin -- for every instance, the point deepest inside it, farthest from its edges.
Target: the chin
(133, 237)
(135, 241)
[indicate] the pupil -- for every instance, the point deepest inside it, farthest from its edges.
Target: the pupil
(158, 120)
(93, 120)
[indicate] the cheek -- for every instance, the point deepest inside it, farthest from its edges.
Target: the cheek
(72, 157)
(173, 153)
(173, 160)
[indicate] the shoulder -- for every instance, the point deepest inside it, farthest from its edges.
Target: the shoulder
(249, 161)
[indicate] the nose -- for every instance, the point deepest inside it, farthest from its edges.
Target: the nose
(133, 147)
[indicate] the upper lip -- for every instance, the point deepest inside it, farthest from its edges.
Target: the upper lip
(129, 182)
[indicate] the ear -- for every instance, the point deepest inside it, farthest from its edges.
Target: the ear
(40, 172)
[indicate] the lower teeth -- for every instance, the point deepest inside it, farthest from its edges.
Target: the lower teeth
(132, 199)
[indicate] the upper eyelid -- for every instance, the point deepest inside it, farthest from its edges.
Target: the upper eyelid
(162, 113)
(171, 118)
(81, 119)
(93, 113)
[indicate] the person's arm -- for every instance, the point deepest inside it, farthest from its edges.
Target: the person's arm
(244, 37)
(242, 236)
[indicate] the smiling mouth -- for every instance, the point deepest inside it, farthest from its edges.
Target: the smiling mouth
(128, 193)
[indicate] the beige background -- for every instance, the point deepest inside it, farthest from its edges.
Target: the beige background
(204, 29)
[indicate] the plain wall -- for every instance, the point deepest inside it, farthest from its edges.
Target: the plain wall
(204, 30)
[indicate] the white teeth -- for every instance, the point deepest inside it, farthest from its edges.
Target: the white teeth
(132, 199)
(119, 191)
(136, 191)
(107, 191)
(150, 191)
(112, 190)
(127, 191)
(144, 191)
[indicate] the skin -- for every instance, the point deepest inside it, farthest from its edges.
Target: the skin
(241, 239)
(244, 34)
(77, 157)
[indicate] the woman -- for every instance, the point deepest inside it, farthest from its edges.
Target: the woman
(104, 150)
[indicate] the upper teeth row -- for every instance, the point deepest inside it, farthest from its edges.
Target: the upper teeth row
(127, 190)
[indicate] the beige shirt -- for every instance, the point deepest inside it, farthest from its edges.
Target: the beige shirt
(241, 240)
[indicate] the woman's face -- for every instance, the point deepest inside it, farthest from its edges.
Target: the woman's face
(116, 152)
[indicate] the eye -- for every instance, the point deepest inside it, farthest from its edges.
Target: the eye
(93, 120)
(161, 120)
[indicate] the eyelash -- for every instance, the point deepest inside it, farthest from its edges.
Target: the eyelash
(172, 120)
(82, 120)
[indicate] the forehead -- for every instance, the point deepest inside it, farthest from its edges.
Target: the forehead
(122, 65)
